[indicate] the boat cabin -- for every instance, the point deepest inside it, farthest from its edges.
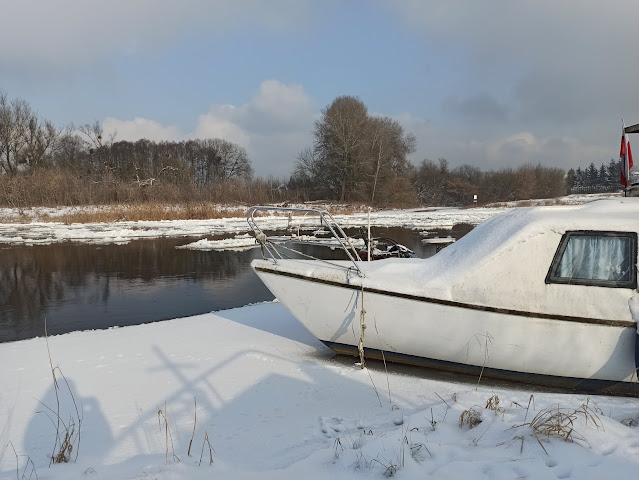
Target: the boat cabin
(579, 261)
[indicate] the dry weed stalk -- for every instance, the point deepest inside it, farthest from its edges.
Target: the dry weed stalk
(432, 420)
(167, 433)
(488, 340)
(337, 444)
(28, 463)
(194, 424)
(469, 417)
(62, 454)
(207, 442)
(493, 404)
(391, 468)
(66, 445)
(531, 400)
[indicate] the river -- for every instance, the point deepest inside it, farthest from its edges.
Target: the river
(76, 286)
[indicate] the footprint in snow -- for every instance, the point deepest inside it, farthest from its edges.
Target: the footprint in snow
(331, 425)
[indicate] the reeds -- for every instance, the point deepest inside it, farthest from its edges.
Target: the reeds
(66, 435)
(559, 422)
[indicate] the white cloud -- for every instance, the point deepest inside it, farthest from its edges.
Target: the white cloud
(460, 145)
(277, 123)
(274, 126)
(547, 62)
(140, 128)
(52, 37)
(525, 148)
(537, 82)
(219, 123)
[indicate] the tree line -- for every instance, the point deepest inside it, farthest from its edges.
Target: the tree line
(438, 184)
(43, 165)
(602, 179)
(359, 157)
(355, 157)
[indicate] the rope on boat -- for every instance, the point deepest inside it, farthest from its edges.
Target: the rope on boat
(362, 327)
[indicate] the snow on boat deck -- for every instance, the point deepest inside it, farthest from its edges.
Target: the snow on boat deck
(276, 404)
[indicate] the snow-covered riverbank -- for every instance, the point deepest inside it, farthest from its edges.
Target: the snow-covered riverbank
(276, 403)
(39, 233)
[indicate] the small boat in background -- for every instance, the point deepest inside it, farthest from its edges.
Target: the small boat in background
(382, 247)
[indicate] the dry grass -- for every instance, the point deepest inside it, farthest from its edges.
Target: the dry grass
(560, 422)
(493, 404)
(469, 418)
(65, 436)
(148, 211)
(168, 436)
(161, 211)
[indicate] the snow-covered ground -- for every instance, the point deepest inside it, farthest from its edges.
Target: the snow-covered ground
(275, 403)
(272, 402)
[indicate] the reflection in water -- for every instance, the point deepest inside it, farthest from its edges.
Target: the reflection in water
(81, 287)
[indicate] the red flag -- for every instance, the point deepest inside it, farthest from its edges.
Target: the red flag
(622, 179)
(625, 159)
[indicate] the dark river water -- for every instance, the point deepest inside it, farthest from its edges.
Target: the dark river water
(81, 287)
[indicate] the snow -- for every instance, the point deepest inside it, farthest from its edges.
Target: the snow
(41, 233)
(246, 241)
(38, 232)
(237, 243)
(275, 403)
(504, 261)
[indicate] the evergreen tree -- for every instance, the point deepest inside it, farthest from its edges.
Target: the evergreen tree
(579, 178)
(592, 175)
(613, 172)
(603, 176)
(570, 179)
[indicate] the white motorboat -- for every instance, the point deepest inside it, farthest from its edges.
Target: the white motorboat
(541, 294)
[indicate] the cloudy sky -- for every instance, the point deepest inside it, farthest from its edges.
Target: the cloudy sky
(488, 83)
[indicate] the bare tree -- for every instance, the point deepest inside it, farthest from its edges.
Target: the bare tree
(98, 145)
(353, 154)
(234, 162)
(94, 135)
(215, 160)
(339, 144)
(69, 151)
(25, 140)
(389, 148)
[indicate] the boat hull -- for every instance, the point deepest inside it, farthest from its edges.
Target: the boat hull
(586, 354)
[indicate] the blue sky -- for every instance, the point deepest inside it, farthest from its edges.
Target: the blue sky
(489, 83)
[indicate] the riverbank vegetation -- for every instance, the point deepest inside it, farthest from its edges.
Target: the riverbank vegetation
(356, 158)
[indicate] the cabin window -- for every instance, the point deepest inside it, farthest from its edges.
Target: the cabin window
(605, 259)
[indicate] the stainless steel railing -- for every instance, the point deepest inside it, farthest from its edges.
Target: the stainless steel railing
(326, 219)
